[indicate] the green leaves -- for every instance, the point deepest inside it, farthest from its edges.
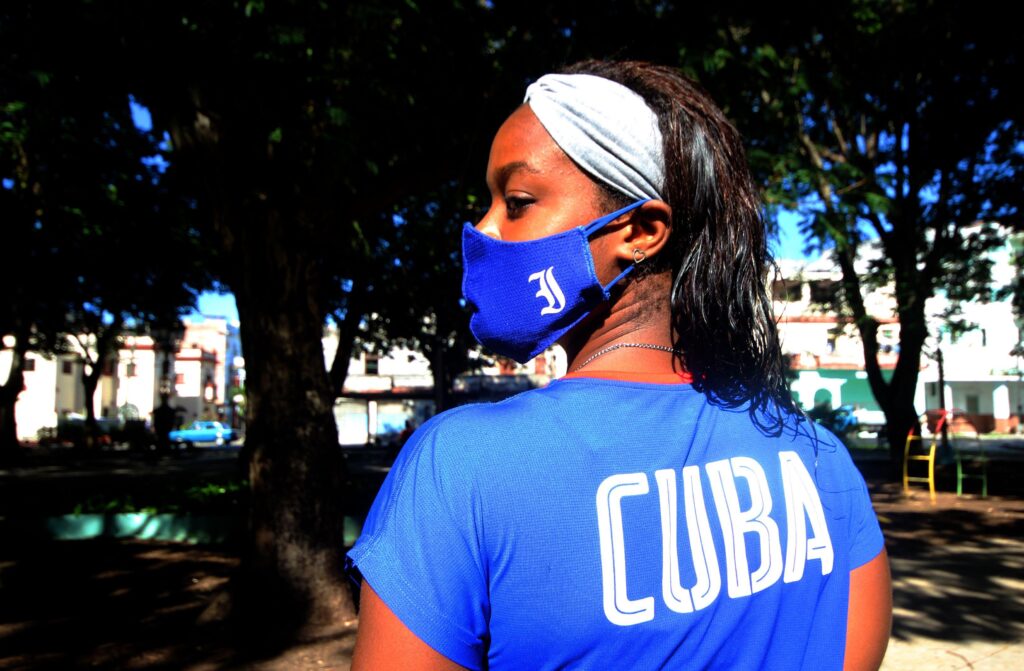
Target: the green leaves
(878, 203)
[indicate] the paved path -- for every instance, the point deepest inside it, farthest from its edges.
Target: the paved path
(958, 567)
(958, 581)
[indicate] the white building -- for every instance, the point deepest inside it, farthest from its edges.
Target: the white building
(983, 380)
(195, 386)
(220, 337)
(202, 373)
(383, 393)
(137, 382)
(825, 349)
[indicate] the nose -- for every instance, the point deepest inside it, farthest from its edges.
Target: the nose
(489, 225)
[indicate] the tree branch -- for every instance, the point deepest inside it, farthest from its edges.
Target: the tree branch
(844, 147)
(348, 325)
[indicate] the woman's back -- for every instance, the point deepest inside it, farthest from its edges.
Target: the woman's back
(598, 521)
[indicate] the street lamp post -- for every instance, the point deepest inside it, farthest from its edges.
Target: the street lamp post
(942, 401)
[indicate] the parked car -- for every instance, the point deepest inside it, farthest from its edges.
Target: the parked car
(839, 421)
(872, 421)
(203, 432)
(848, 419)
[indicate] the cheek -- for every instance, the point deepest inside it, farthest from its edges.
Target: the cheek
(539, 223)
(606, 264)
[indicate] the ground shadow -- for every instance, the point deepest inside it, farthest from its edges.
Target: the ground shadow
(958, 566)
(109, 604)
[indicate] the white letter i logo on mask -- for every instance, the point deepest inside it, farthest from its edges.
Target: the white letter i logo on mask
(549, 291)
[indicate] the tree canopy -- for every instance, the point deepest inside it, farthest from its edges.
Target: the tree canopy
(895, 125)
(321, 158)
(92, 241)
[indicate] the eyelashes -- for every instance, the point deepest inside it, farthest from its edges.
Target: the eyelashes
(514, 205)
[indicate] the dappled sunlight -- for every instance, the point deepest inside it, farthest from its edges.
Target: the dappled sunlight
(956, 566)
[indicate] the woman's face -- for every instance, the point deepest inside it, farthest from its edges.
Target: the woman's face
(536, 189)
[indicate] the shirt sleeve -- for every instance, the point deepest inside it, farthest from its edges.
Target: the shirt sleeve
(865, 538)
(421, 548)
(866, 534)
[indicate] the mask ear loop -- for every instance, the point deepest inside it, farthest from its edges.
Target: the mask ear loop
(598, 224)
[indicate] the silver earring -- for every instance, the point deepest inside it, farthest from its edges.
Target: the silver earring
(638, 255)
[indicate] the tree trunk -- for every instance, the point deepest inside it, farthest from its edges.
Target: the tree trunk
(348, 326)
(292, 581)
(896, 397)
(9, 393)
(106, 340)
(90, 381)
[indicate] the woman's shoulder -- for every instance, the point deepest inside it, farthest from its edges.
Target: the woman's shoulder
(472, 416)
(476, 428)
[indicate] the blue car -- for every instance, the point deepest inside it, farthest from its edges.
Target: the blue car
(216, 433)
(840, 421)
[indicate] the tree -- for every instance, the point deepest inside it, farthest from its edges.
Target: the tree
(893, 125)
(419, 281)
(91, 241)
(297, 126)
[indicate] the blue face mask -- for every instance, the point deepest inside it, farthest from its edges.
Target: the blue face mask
(526, 295)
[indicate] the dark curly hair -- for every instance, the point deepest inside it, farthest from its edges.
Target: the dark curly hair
(717, 252)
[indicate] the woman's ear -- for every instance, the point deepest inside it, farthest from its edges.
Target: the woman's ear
(645, 232)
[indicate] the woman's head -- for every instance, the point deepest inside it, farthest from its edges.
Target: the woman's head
(662, 137)
(717, 252)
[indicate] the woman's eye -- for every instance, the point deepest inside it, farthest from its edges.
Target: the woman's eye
(515, 204)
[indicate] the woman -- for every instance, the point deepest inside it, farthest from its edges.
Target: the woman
(663, 505)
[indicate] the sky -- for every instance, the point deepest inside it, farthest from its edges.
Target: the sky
(790, 244)
(213, 304)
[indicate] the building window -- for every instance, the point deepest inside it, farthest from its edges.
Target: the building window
(28, 365)
(785, 290)
(823, 291)
(179, 378)
(372, 364)
(67, 367)
(971, 401)
(131, 370)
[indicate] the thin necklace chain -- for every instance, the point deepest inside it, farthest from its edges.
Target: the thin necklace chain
(612, 348)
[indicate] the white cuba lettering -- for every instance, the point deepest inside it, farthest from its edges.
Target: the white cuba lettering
(736, 523)
(618, 607)
(737, 526)
(702, 547)
(803, 504)
(549, 291)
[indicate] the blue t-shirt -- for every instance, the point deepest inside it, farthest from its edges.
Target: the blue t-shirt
(599, 524)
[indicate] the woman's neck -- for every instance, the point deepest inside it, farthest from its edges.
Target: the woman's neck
(610, 336)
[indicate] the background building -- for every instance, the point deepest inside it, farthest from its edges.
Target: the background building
(983, 380)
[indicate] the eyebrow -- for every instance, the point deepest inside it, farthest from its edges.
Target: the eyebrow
(502, 174)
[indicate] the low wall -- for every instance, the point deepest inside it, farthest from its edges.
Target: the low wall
(204, 529)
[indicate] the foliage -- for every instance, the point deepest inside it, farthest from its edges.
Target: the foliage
(217, 498)
(92, 241)
(323, 156)
(893, 128)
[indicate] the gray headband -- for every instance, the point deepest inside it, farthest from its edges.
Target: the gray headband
(606, 128)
